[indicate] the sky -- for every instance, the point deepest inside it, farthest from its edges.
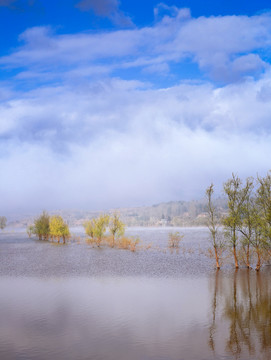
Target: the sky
(108, 103)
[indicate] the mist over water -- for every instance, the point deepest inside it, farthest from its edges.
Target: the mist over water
(78, 302)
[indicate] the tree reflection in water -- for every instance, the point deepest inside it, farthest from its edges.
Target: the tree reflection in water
(244, 302)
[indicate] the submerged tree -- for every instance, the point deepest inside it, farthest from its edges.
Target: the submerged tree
(100, 225)
(262, 220)
(30, 230)
(232, 221)
(89, 229)
(213, 223)
(58, 228)
(96, 228)
(116, 227)
(248, 217)
(264, 206)
(257, 240)
(41, 226)
(3, 222)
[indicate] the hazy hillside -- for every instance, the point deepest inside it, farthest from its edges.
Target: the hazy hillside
(173, 213)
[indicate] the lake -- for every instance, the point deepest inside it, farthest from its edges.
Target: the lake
(78, 302)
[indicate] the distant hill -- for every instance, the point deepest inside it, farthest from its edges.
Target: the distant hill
(173, 213)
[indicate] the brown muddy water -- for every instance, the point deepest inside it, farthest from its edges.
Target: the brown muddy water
(77, 302)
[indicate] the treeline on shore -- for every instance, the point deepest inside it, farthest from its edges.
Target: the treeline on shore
(247, 223)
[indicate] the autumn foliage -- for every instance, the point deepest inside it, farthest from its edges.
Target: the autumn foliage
(49, 227)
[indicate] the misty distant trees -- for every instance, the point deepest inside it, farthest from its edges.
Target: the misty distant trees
(247, 224)
(3, 222)
(46, 227)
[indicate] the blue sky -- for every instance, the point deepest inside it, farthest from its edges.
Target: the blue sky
(120, 103)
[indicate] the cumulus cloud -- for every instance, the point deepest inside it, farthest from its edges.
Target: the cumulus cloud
(81, 136)
(120, 143)
(106, 8)
(228, 48)
(165, 12)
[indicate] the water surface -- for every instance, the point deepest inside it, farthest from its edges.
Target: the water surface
(76, 302)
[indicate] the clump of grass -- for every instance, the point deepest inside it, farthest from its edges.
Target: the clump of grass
(174, 240)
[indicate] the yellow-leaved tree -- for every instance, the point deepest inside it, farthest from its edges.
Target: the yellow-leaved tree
(58, 228)
(116, 228)
(100, 225)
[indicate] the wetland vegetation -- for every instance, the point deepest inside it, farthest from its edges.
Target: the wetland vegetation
(243, 231)
(247, 223)
(69, 290)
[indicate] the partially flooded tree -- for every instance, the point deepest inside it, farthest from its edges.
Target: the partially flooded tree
(257, 239)
(236, 197)
(41, 226)
(3, 222)
(213, 223)
(248, 216)
(264, 204)
(30, 230)
(58, 228)
(100, 225)
(262, 221)
(89, 229)
(116, 228)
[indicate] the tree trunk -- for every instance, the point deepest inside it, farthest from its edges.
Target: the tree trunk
(259, 262)
(248, 257)
(217, 259)
(113, 242)
(235, 257)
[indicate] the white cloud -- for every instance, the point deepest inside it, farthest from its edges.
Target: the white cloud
(227, 48)
(83, 137)
(118, 143)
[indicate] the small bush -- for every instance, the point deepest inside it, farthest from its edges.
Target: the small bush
(109, 240)
(174, 240)
(128, 243)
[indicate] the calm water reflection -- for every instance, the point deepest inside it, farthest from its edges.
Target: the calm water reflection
(107, 304)
(241, 315)
(220, 317)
